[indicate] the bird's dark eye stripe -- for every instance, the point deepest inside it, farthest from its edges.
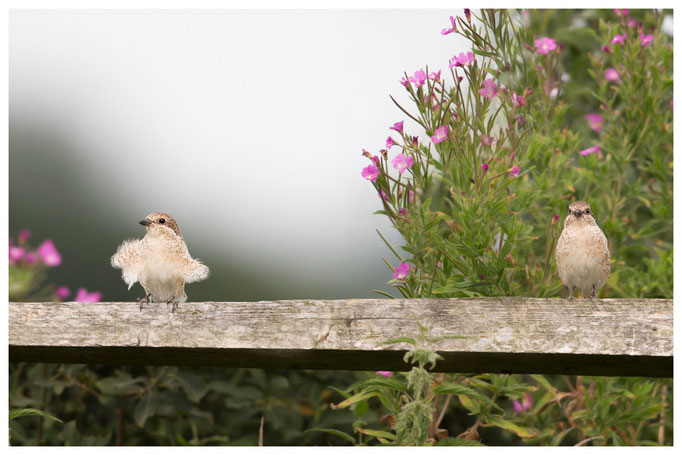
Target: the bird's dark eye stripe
(162, 220)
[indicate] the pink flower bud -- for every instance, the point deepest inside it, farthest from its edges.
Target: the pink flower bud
(612, 75)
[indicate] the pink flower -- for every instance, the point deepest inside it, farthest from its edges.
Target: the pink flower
(462, 59)
(596, 121)
(527, 401)
(415, 141)
(591, 150)
(514, 171)
(62, 292)
(555, 218)
(544, 45)
(489, 89)
(402, 162)
(612, 75)
(467, 13)
(606, 49)
(645, 39)
(434, 101)
(440, 134)
(452, 29)
(401, 271)
(435, 76)
(24, 235)
(386, 374)
(30, 258)
(484, 167)
(619, 39)
(383, 195)
(632, 22)
(49, 254)
(15, 254)
(84, 296)
(419, 78)
(621, 12)
(518, 99)
(486, 141)
(410, 196)
(397, 127)
(371, 172)
(517, 407)
(389, 142)
(404, 82)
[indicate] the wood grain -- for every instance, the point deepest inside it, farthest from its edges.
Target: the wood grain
(609, 337)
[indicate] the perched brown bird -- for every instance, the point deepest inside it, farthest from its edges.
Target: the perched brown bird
(160, 262)
(582, 252)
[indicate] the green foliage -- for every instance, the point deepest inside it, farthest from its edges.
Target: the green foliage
(493, 233)
(481, 217)
(134, 405)
(21, 412)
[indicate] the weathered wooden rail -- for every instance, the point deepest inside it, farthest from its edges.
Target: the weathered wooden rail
(624, 337)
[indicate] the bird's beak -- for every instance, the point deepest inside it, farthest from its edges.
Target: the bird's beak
(578, 213)
(145, 222)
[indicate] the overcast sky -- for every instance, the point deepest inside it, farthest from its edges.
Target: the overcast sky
(247, 126)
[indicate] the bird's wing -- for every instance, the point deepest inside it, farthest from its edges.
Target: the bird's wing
(195, 271)
(128, 258)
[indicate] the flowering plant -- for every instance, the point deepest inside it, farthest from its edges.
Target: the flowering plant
(507, 144)
(28, 272)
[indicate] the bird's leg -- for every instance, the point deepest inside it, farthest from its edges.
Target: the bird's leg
(144, 300)
(174, 304)
(571, 290)
(594, 292)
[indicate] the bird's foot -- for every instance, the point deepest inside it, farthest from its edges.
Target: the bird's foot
(173, 303)
(144, 300)
(593, 295)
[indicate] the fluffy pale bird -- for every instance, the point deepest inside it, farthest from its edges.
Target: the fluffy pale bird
(582, 252)
(160, 262)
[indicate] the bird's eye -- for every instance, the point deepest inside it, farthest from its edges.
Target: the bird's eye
(162, 220)
(587, 211)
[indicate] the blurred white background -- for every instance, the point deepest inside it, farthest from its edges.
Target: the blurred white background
(246, 126)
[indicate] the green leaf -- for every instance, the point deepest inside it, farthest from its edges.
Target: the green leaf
(498, 421)
(412, 341)
(144, 408)
(468, 403)
(459, 389)
(354, 399)
(121, 384)
(338, 433)
(343, 393)
(21, 412)
(458, 442)
(545, 384)
(194, 386)
(361, 408)
(376, 433)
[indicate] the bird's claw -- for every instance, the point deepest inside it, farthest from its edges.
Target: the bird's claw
(143, 300)
(173, 303)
